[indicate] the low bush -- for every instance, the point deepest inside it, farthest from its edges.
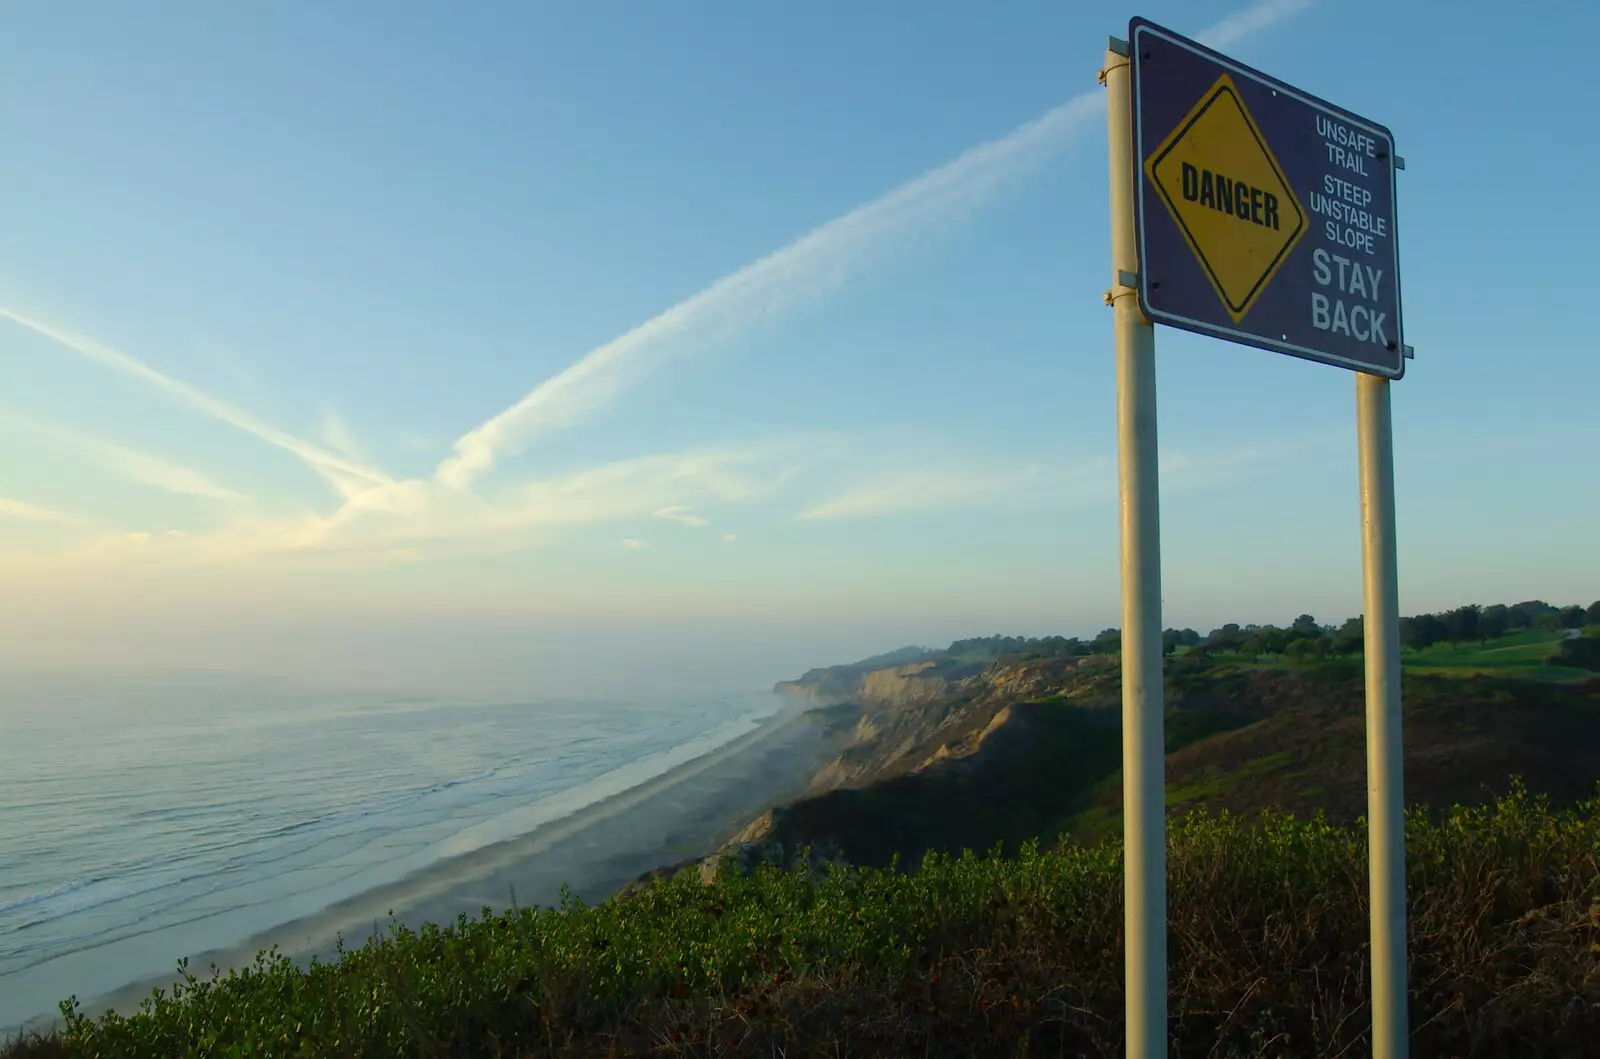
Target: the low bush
(967, 956)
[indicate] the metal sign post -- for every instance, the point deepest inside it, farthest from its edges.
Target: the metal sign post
(1386, 821)
(1144, 755)
(1245, 209)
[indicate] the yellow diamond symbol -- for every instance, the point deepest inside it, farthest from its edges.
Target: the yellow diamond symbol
(1229, 196)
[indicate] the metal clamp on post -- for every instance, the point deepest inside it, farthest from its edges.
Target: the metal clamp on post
(1127, 283)
(1114, 46)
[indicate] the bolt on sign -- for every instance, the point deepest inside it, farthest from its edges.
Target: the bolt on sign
(1264, 215)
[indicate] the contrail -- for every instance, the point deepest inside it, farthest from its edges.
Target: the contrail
(320, 459)
(131, 464)
(807, 268)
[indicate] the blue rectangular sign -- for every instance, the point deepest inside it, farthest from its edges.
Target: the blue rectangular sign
(1265, 216)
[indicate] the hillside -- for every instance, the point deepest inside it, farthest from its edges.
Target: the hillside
(968, 957)
(952, 752)
(1021, 956)
(885, 678)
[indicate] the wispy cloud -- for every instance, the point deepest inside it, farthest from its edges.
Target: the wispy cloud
(129, 463)
(343, 473)
(1185, 468)
(420, 519)
(634, 543)
(26, 512)
(924, 490)
(812, 265)
(729, 538)
(1237, 27)
(816, 263)
(1090, 481)
(404, 519)
(336, 434)
(681, 516)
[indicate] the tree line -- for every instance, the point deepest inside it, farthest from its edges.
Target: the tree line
(1306, 637)
(1472, 623)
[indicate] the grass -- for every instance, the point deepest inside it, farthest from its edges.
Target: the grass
(1525, 654)
(1542, 673)
(1215, 783)
(1294, 739)
(970, 956)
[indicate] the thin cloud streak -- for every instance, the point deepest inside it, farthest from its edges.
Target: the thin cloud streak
(410, 516)
(1093, 481)
(805, 269)
(1237, 27)
(417, 519)
(810, 266)
(135, 466)
(26, 512)
(923, 490)
(337, 436)
(682, 517)
(338, 470)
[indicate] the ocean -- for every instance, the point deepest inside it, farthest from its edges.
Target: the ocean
(144, 822)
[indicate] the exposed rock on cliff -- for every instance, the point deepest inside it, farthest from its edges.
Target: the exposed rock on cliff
(950, 754)
(835, 684)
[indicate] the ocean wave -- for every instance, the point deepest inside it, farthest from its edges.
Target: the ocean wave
(45, 895)
(398, 828)
(72, 898)
(76, 898)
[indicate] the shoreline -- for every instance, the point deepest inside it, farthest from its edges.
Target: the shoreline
(683, 814)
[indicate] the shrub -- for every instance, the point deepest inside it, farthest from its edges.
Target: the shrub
(969, 955)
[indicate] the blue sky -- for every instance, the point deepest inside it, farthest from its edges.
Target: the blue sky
(380, 338)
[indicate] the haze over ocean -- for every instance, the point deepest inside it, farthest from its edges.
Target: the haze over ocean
(145, 823)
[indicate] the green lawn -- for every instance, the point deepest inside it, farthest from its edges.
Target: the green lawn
(1542, 673)
(1526, 647)
(1524, 654)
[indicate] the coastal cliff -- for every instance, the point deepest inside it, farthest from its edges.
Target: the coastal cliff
(848, 683)
(952, 752)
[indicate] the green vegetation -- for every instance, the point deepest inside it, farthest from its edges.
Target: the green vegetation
(1581, 652)
(1465, 731)
(968, 956)
(1216, 783)
(1057, 749)
(1512, 649)
(1531, 653)
(1018, 953)
(1529, 633)
(1519, 639)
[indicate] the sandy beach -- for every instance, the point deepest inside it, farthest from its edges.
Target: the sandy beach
(684, 813)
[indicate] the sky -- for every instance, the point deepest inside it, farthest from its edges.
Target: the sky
(555, 347)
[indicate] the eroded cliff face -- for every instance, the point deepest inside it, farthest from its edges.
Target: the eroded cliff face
(916, 723)
(902, 686)
(918, 720)
(890, 686)
(1025, 751)
(922, 719)
(814, 694)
